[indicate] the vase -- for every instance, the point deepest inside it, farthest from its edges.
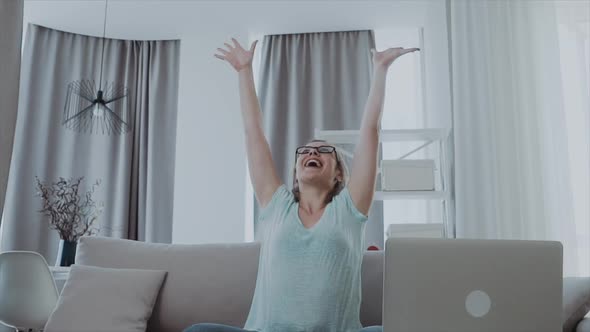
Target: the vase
(66, 253)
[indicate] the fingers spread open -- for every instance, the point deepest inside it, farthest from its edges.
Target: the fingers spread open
(236, 43)
(224, 52)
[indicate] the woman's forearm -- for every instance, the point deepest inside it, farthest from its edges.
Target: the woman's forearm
(249, 101)
(374, 106)
(262, 173)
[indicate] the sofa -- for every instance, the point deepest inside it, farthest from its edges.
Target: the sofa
(215, 282)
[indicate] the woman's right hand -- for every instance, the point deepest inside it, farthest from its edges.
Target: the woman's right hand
(236, 55)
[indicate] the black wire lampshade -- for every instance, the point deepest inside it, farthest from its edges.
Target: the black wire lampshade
(94, 111)
(97, 111)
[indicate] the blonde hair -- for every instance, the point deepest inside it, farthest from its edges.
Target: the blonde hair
(340, 165)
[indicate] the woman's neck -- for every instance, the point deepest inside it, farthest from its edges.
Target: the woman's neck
(312, 199)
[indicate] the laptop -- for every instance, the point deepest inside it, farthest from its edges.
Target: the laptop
(465, 285)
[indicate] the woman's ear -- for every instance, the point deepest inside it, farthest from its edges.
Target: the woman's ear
(339, 174)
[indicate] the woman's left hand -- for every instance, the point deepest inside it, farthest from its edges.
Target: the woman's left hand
(385, 58)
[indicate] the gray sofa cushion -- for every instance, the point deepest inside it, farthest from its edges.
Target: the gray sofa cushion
(576, 301)
(208, 282)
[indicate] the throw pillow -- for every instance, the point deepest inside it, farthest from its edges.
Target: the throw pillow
(96, 299)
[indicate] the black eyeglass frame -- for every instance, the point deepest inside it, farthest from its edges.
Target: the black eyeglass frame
(317, 148)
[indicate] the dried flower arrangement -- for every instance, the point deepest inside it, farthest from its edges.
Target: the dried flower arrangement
(70, 214)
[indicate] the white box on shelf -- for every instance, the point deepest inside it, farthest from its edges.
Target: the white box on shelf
(407, 174)
(434, 230)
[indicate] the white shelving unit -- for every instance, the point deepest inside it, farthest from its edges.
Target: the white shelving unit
(428, 136)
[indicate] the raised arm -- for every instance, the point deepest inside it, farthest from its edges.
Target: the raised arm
(364, 164)
(263, 175)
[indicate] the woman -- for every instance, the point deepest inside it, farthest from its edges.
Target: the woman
(309, 273)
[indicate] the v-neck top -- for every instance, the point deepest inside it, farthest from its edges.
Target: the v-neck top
(309, 279)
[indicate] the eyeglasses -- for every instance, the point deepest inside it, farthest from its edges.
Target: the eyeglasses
(319, 149)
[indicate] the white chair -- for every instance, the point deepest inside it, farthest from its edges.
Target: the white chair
(28, 293)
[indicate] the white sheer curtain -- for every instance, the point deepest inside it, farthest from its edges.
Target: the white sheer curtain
(521, 123)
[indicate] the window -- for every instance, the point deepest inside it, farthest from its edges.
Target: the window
(404, 109)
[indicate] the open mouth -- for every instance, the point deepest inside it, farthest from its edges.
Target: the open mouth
(313, 163)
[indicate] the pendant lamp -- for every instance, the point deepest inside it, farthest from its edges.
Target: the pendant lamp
(105, 110)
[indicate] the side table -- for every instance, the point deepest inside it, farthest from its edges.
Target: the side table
(60, 275)
(60, 272)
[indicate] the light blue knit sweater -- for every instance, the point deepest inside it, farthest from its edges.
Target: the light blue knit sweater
(309, 280)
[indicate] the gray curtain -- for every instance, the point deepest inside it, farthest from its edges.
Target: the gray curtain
(11, 23)
(136, 169)
(315, 80)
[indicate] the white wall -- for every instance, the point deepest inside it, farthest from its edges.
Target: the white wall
(210, 155)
